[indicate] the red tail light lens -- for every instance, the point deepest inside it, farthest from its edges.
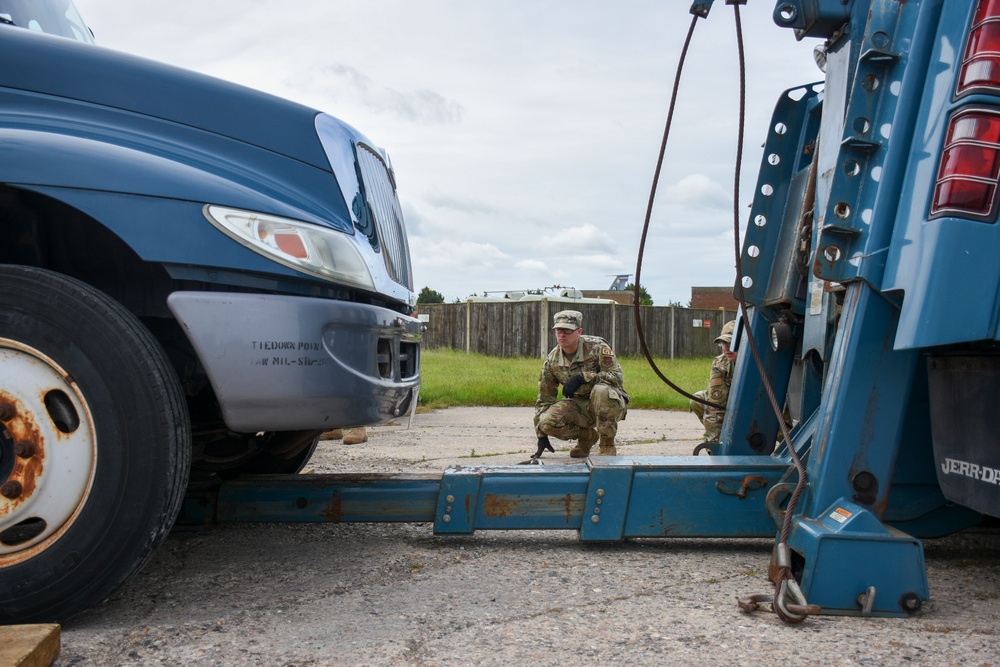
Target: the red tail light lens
(970, 165)
(981, 63)
(986, 9)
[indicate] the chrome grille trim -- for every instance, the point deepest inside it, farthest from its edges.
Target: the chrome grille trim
(389, 225)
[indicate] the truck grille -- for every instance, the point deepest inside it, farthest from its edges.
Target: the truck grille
(384, 205)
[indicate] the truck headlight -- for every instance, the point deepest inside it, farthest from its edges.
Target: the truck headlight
(318, 251)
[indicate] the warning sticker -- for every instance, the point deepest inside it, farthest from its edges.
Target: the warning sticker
(815, 297)
(840, 515)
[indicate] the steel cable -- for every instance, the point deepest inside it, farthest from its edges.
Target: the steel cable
(645, 227)
(784, 571)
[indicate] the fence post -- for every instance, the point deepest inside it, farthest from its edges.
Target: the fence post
(468, 325)
(614, 325)
(543, 330)
(673, 330)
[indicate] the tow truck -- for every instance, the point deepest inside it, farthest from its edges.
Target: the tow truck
(869, 277)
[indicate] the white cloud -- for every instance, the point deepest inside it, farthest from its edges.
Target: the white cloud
(698, 191)
(580, 239)
(457, 254)
(533, 267)
(460, 203)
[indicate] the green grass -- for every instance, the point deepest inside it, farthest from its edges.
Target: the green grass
(452, 378)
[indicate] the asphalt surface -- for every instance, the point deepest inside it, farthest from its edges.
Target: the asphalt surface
(396, 594)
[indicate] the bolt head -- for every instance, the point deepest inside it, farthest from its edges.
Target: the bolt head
(25, 449)
(911, 602)
(11, 489)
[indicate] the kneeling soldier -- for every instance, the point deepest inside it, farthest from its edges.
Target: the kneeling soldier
(593, 398)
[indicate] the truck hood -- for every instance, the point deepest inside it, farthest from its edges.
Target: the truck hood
(114, 79)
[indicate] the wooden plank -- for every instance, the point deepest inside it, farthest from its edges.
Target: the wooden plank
(29, 645)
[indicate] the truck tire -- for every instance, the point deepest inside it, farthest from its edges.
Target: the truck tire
(94, 445)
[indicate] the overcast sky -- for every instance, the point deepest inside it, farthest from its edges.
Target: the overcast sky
(524, 134)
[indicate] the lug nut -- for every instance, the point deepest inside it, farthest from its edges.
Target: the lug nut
(11, 489)
(25, 449)
(7, 412)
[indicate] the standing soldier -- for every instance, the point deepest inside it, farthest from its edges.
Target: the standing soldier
(593, 398)
(719, 380)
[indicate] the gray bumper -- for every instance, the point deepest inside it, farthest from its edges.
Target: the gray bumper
(284, 363)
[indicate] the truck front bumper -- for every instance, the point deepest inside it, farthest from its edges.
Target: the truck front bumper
(284, 363)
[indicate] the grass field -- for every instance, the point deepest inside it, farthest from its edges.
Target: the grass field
(452, 378)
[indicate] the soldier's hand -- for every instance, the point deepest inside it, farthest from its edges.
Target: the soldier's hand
(572, 385)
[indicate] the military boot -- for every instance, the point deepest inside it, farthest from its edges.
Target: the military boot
(355, 436)
(608, 447)
(583, 444)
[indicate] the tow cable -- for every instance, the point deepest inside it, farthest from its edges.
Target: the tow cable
(788, 601)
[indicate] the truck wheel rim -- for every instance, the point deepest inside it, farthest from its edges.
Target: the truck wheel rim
(48, 452)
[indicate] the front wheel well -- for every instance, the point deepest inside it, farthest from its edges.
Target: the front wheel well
(46, 233)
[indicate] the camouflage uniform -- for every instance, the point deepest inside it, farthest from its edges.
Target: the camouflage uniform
(719, 380)
(597, 406)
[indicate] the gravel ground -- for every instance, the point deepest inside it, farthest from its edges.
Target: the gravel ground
(395, 594)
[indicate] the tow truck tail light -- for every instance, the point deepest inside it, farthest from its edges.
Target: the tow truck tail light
(981, 63)
(970, 165)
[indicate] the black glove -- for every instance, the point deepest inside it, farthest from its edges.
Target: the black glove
(572, 385)
(543, 444)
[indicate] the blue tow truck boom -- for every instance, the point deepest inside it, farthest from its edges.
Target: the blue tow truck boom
(870, 279)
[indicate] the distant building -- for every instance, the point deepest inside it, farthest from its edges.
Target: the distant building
(623, 297)
(712, 298)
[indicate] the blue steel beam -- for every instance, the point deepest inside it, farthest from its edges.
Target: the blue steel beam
(313, 499)
(612, 498)
(605, 499)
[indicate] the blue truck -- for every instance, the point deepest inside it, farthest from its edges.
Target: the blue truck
(196, 279)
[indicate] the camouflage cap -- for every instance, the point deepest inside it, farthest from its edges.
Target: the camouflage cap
(727, 332)
(568, 319)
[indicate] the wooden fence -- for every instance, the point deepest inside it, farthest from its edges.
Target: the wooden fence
(524, 328)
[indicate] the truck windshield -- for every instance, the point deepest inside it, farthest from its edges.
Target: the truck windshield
(56, 17)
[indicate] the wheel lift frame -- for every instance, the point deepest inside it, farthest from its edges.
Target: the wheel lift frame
(605, 499)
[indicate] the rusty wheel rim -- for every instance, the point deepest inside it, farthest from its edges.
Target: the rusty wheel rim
(48, 452)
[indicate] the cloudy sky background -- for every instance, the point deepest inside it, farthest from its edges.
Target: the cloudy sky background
(524, 134)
